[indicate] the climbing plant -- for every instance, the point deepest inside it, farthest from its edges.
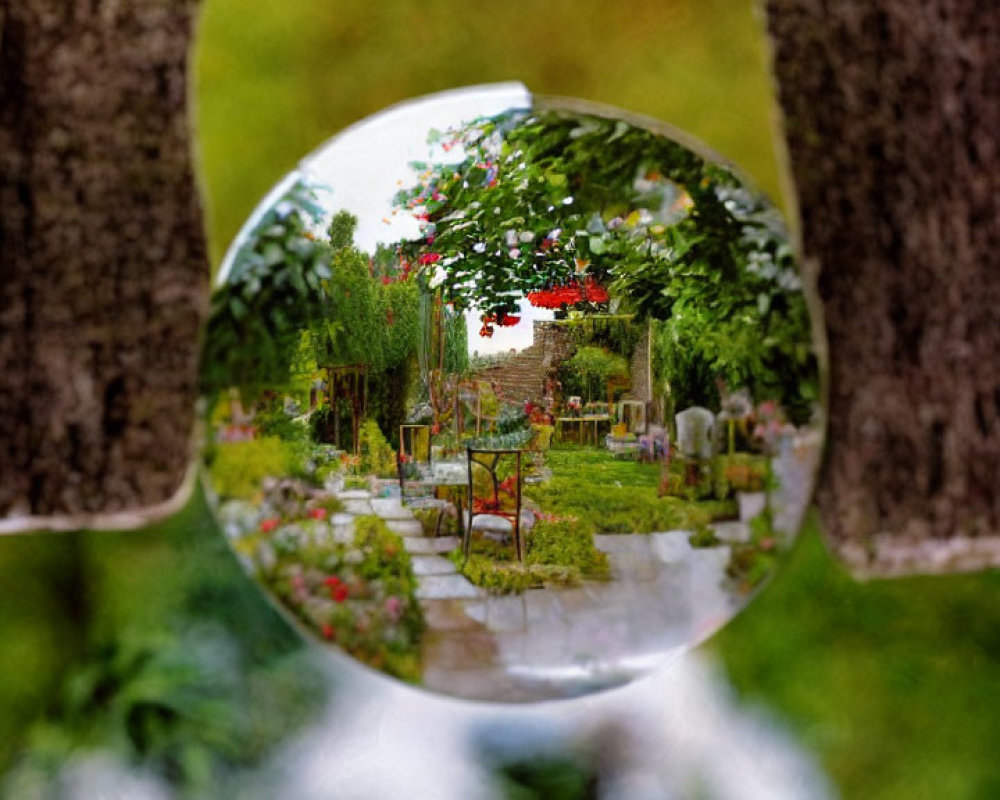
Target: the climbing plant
(562, 207)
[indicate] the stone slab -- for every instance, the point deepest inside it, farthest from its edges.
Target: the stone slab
(405, 527)
(446, 586)
(506, 613)
(391, 508)
(357, 506)
(450, 615)
(672, 547)
(733, 531)
(432, 565)
(424, 545)
(355, 494)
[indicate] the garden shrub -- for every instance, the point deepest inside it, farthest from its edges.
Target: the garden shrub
(352, 482)
(507, 577)
(751, 562)
(377, 455)
(565, 542)
(557, 553)
(428, 518)
(238, 468)
(361, 598)
(739, 472)
(703, 537)
(543, 437)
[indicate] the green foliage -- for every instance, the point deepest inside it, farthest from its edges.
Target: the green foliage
(549, 777)
(884, 680)
(377, 455)
(428, 519)
(275, 422)
(612, 496)
(679, 239)
(510, 577)
(274, 291)
(178, 667)
(352, 482)
(456, 344)
(751, 562)
(618, 334)
(543, 437)
(566, 543)
(590, 368)
(353, 330)
(703, 537)
(360, 598)
(239, 468)
(558, 552)
(739, 472)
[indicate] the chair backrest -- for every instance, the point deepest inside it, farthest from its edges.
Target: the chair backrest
(495, 481)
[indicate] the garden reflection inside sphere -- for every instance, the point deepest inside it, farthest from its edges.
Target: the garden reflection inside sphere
(510, 400)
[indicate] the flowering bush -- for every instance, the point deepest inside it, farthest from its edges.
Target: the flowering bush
(359, 597)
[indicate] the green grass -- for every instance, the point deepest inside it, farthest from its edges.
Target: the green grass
(609, 495)
(557, 553)
(891, 683)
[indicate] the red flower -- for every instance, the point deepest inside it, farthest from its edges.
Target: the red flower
(269, 525)
(429, 258)
(328, 632)
(339, 593)
(386, 280)
(318, 513)
(486, 331)
(508, 320)
(332, 581)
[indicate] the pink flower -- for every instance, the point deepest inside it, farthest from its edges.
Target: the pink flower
(393, 608)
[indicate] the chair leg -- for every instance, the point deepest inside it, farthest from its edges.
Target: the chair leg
(437, 528)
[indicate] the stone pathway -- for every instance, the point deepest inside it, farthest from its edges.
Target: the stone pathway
(663, 597)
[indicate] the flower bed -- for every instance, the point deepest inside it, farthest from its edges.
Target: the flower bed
(359, 595)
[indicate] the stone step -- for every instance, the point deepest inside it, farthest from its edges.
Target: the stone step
(423, 545)
(391, 508)
(424, 565)
(438, 587)
(405, 527)
(357, 506)
(354, 494)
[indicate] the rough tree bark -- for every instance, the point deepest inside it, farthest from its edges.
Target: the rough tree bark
(892, 110)
(103, 270)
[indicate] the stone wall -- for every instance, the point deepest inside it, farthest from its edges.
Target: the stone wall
(522, 376)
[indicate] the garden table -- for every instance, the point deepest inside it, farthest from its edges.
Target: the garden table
(596, 419)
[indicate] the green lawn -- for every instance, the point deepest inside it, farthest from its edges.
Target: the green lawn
(611, 495)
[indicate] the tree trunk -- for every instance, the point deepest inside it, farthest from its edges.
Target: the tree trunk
(892, 109)
(104, 273)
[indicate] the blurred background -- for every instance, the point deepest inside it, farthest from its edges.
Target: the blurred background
(145, 664)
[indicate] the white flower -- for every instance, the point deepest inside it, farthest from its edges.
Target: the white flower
(439, 276)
